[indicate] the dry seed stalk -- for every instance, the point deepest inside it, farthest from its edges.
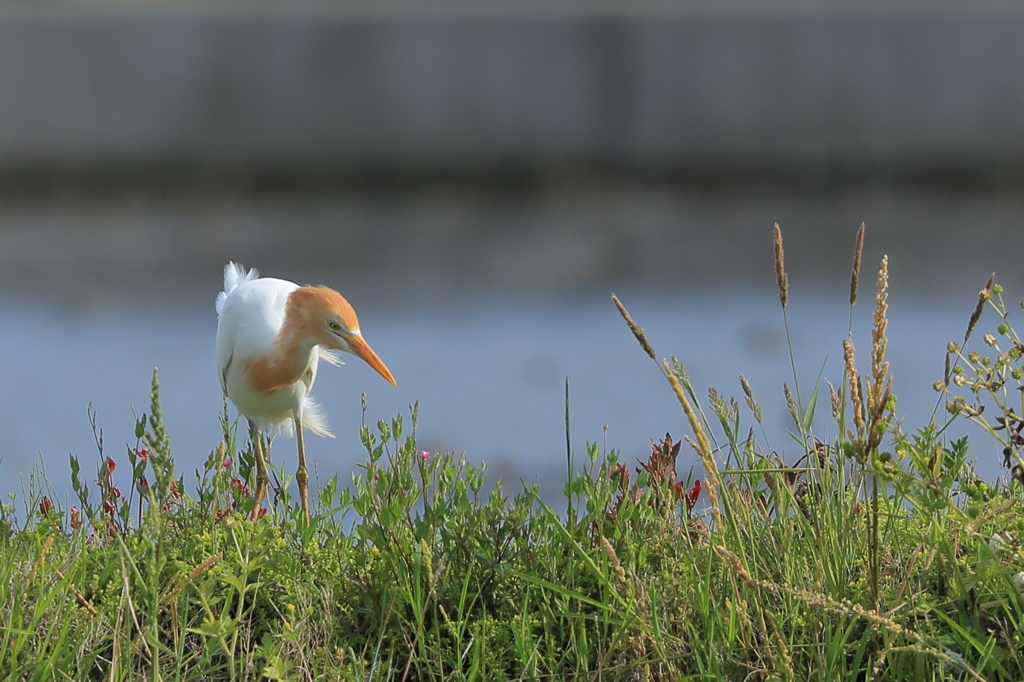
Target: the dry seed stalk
(620, 572)
(691, 414)
(857, 251)
(780, 267)
(783, 649)
(854, 381)
(983, 297)
(879, 341)
(195, 573)
(783, 281)
(637, 330)
(737, 566)
(834, 399)
(692, 443)
(703, 444)
(39, 562)
(748, 393)
(78, 595)
(707, 457)
(827, 603)
(791, 403)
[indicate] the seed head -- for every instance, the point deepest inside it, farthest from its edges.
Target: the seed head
(983, 297)
(854, 381)
(780, 267)
(637, 330)
(855, 277)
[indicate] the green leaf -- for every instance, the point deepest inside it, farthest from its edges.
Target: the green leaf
(809, 414)
(277, 669)
(215, 628)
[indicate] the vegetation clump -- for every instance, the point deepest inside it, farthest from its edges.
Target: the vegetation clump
(877, 554)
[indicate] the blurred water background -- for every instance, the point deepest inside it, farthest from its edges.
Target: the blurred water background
(478, 178)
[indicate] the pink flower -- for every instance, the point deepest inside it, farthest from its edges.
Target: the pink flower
(424, 455)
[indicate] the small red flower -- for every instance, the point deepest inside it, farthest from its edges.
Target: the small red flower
(76, 518)
(691, 497)
(111, 465)
(45, 505)
(424, 455)
(143, 453)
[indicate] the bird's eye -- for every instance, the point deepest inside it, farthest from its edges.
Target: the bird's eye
(335, 327)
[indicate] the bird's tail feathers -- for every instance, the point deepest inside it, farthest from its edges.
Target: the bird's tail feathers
(314, 419)
(234, 274)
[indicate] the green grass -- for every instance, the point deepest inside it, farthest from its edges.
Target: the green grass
(877, 555)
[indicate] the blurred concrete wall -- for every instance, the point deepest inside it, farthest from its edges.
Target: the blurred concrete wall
(442, 84)
(224, 112)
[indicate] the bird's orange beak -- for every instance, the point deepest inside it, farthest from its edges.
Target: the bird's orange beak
(360, 348)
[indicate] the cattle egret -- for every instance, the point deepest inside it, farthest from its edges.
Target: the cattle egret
(271, 335)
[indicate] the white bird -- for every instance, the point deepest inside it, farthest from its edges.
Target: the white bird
(271, 335)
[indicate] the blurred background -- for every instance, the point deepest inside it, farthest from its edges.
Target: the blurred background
(478, 177)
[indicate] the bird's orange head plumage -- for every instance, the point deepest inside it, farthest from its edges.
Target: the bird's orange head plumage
(313, 309)
(326, 315)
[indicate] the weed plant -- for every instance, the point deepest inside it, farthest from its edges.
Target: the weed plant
(876, 555)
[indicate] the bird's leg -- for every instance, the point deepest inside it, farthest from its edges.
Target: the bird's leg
(262, 477)
(301, 475)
